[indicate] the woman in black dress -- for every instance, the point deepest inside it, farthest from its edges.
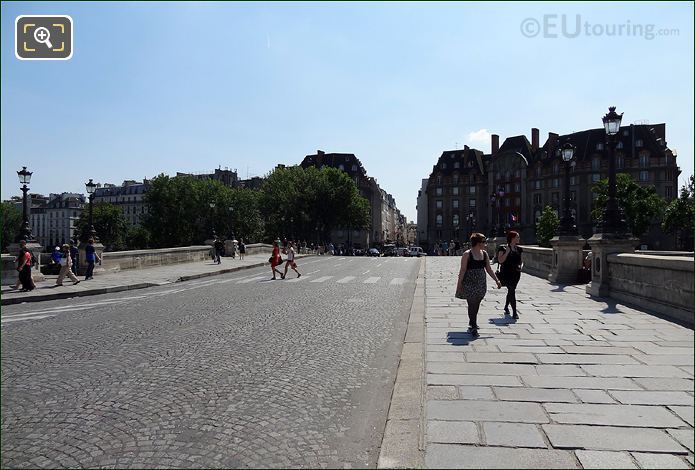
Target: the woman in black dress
(509, 258)
(471, 284)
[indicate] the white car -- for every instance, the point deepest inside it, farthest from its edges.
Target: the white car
(416, 251)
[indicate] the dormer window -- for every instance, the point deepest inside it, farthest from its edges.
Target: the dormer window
(439, 180)
(443, 166)
(341, 167)
(638, 143)
(456, 164)
(626, 132)
(354, 167)
(619, 146)
(599, 146)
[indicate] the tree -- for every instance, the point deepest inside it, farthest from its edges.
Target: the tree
(679, 215)
(640, 204)
(547, 226)
(11, 223)
(109, 223)
(137, 238)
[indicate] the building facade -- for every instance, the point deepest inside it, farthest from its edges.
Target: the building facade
(386, 219)
(55, 221)
(129, 196)
(509, 187)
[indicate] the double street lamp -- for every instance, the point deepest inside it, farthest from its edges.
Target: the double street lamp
(567, 223)
(612, 221)
(25, 229)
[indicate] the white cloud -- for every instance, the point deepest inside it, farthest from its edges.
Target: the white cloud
(479, 137)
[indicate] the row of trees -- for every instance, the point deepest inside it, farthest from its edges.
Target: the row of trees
(641, 207)
(293, 202)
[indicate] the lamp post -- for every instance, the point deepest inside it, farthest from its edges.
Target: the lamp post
(470, 221)
(613, 221)
(25, 229)
(90, 186)
(231, 221)
(496, 197)
(567, 224)
(212, 218)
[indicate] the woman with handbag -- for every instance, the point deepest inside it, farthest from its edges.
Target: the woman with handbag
(276, 260)
(24, 267)
(509, 258)
(471, 283)
(290, 261)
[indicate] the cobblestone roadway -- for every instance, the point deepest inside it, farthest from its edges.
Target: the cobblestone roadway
(222, 374)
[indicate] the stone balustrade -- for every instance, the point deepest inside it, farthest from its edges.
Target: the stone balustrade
(661, 283)
(138, 259)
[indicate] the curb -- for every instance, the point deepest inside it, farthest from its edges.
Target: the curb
(140, 285)
(402, 445)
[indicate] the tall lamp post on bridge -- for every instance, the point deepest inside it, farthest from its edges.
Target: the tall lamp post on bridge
(89, 231)
(567, 223)
(613, 237)
(25, 229)
(496, 200)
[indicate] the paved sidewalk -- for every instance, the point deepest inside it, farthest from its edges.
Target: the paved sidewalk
(576, 382)
(132, 279)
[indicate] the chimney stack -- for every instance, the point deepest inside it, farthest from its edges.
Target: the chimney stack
(534, 139)
(495, 143)
(552, 142)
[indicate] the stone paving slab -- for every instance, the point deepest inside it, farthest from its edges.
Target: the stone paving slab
(665, 384)
(606, 383)
(615, 415)
(513, 435)
(611, 438)
(684, 436)
(539, 395)
(480, 410)
(452, 432)
(593, 396)
(605, 459)
(686, 413)
(659, 461)
(635, 371)
(630, 397)
(457, 456)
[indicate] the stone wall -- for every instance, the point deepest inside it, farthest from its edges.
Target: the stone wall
(663, 284)
(538, 261)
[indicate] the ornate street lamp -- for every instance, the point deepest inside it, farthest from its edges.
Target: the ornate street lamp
(90, 186)
(567, 224)
(496, 197)
(613, 221)
(25, 229)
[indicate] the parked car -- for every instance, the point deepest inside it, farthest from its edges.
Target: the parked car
(373, 252)
(416, 251)
(402, 251)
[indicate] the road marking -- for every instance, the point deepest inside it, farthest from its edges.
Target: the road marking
(322, 279)
(397, 281)
(28, 318)
(366, 271)
(257, 278)
(336, 265)
(42, 312)
(379, 265)
(346, 279)
(297, 279)
(371, 280)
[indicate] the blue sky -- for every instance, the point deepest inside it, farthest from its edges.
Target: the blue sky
(165, 87)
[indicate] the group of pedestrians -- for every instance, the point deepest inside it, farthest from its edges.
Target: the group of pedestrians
(289, 249)
(451, 248)
(475, 262)
(219, 250)
(65, 256)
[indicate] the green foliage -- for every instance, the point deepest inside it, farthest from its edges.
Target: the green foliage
(547, 226)
(680, 214)
(109, 223)
(11, 223)
(137, 238)
(640, 204)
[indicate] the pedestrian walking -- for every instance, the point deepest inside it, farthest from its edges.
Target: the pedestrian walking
(74, 253)
(275, 260)
(290, 261)
(471, 284)
(218, 245)
(509, 259)
(91, 257)
(66, 267)
(242, 249)
(24, 267)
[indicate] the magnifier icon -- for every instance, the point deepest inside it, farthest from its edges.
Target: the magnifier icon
(43, 35)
